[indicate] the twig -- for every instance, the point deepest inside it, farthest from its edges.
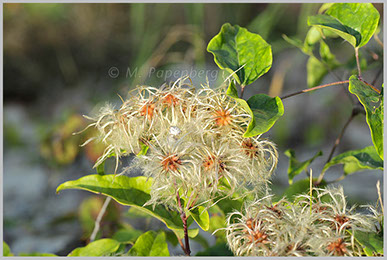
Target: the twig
(368, 84)
(99, 218)
(338, 139)
(242, 90)
(314, 88)
(183, 216)
(337, 142)
(377, 39)
(357, 61)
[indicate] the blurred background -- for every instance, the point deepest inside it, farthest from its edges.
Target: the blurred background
(63, 60)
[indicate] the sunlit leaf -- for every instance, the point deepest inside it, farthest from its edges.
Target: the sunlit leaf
(130, 191)
(357, 160)
(354, 22)
(264, 111)
(201, 217)
(6, 250)
(102, 247)
(373, 105)
(296, 167)
(150, 244)
(237, 50)
(361, 17)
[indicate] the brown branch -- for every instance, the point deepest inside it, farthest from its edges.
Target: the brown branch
(338, 139)
(184, 218)
(355, 111)
(375, 89)
(315, 88)
(242, 90)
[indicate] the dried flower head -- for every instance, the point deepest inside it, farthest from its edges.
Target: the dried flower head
(195, 142)
(296, 228)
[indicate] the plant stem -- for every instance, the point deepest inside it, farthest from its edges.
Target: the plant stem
(357, 61)
(242, 90)
(99, 218)
(375, 89)
(183, 216)
(314, 88)
(338, 139)
(337, 142)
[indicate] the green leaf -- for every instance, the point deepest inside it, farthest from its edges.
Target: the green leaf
(102, 247)
(299, 187)
(316, 71)
(324, 21)
(264, 111)
(200, 215)
(312, 37)
(229, 205)
(101, 168)
(150, 244)
(235, 49)
(6, 250)
(129, 191)
(371, 241)
(296, 167)
(305, 48)
(369, 98)
(354, 22)
(127, 236)
(357, 160)
(362, 18)
(144, 150)
(219, 249)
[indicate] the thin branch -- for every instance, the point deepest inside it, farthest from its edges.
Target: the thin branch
(242, 90)
(99, 218)
(342, 177)
(315, 88)
(377, 39)
(368, 84)
(338, 139)
(337, 142)
(357, 61)
(183, 216)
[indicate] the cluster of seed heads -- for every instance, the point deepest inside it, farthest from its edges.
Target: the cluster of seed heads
(194, 136)
(317, 225)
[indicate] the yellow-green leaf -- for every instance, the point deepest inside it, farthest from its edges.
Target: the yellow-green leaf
(373, 105)
(235, 49)
(130, 191)
(102, 247)
(264, 111)
(357, 160)
(150, 244)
